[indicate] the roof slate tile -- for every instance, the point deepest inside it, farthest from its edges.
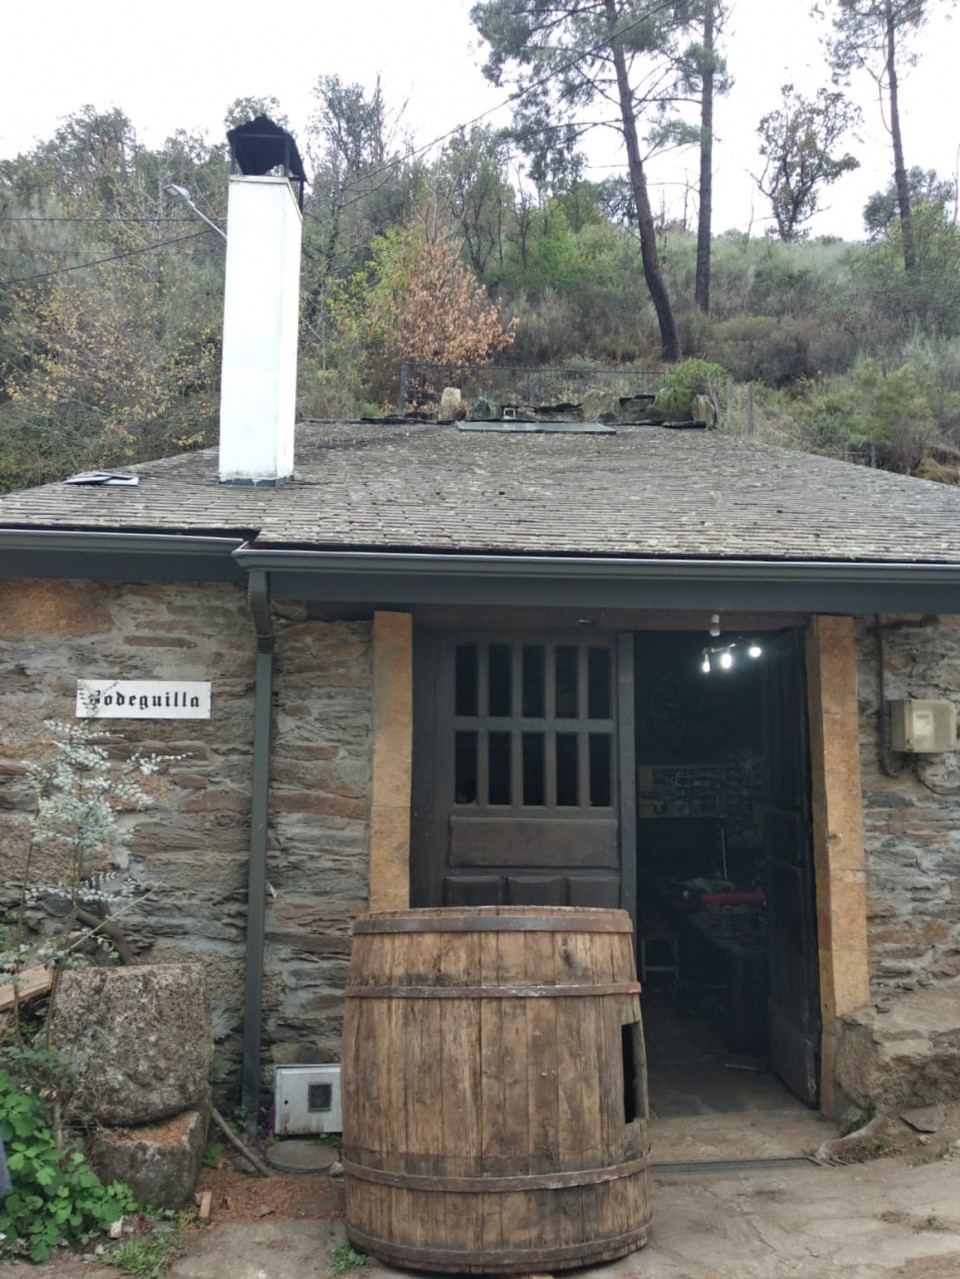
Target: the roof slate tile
(423, 487)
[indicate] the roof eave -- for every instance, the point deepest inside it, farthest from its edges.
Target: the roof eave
(71, 553)
(406, 578)
(847, 587)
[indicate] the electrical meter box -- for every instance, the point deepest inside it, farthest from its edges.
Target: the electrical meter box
(306, 1100)
(923, 726)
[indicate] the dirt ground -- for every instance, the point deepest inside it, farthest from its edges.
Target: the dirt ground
(238, 1196)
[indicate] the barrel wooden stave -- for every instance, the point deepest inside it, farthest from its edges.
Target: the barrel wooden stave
(542, 1097)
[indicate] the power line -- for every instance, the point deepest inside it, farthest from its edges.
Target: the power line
(116, 257)
(590, 51)
(17, 218)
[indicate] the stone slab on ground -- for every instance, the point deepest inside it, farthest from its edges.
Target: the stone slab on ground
(139, 1039)
(267, 1250)
(868, 1221)
(907, 1047)
(301, 1156)
(790, 1134)
(160, 1162)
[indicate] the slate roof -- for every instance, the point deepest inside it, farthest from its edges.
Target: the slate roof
(422, 487)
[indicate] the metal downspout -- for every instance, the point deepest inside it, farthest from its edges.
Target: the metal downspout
(259, 601)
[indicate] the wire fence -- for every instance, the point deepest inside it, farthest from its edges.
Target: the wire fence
(742, 413)
(421, 384)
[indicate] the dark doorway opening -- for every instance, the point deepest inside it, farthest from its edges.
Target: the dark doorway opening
(725, 887)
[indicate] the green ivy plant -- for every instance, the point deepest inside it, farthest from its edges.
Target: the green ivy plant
(346, 1258)
(56, 1195)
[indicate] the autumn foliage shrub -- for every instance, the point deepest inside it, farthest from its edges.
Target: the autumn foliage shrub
(418, 301)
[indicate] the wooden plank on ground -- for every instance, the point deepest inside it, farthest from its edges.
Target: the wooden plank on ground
(30, 984)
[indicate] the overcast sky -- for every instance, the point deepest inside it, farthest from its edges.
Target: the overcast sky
(181, 63)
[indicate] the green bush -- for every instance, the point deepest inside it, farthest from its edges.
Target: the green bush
(56, 1195)
(683, 384)
(901, 412)
(761, 348)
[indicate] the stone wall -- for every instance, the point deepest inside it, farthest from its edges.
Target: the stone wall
(320, 804)
(912, 820)
(195, 841)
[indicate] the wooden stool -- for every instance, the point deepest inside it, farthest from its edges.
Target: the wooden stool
(659, 950)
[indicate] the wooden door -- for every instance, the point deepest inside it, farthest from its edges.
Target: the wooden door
(515, 771)
(794, 1002)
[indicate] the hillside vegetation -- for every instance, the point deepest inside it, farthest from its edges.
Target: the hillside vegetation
(111, 290)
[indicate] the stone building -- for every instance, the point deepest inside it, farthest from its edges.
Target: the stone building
(475, 663)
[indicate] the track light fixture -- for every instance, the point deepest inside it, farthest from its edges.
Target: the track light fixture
(725, 657)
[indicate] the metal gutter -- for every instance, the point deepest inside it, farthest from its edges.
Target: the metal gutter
(259, 601)
(70, 552)
(74, 539)
(836, 586)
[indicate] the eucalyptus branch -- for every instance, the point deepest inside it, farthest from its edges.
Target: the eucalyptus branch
(124, 910)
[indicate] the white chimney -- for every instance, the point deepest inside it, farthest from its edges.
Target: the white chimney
(261, 311)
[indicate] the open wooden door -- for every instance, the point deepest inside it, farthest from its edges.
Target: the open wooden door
(794, 1001)
(516, 777)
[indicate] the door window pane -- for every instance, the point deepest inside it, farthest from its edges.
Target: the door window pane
(500, 681)
(465, 768)
(465, 680)
(568, 787)
(499, 766)
(598, 683)
(534, 674)
(533, 768)
(600, 760)
(566, 681)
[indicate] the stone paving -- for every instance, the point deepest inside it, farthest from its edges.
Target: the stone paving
(883, 1220)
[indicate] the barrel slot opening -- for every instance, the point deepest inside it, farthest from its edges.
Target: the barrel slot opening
(631, 1109)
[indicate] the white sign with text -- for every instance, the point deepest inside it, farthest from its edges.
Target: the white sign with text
(143, 699)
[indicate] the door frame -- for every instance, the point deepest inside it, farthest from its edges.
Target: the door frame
(838, 847)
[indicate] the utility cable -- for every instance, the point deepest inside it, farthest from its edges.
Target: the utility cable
(4, 217)
(390, 165)
(116, 257)
(590, 51)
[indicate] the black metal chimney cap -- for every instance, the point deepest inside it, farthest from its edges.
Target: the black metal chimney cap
(260, 145)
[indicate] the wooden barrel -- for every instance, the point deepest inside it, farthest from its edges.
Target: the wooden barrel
(494, 1089)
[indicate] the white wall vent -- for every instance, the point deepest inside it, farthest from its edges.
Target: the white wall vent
(306, 1100)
